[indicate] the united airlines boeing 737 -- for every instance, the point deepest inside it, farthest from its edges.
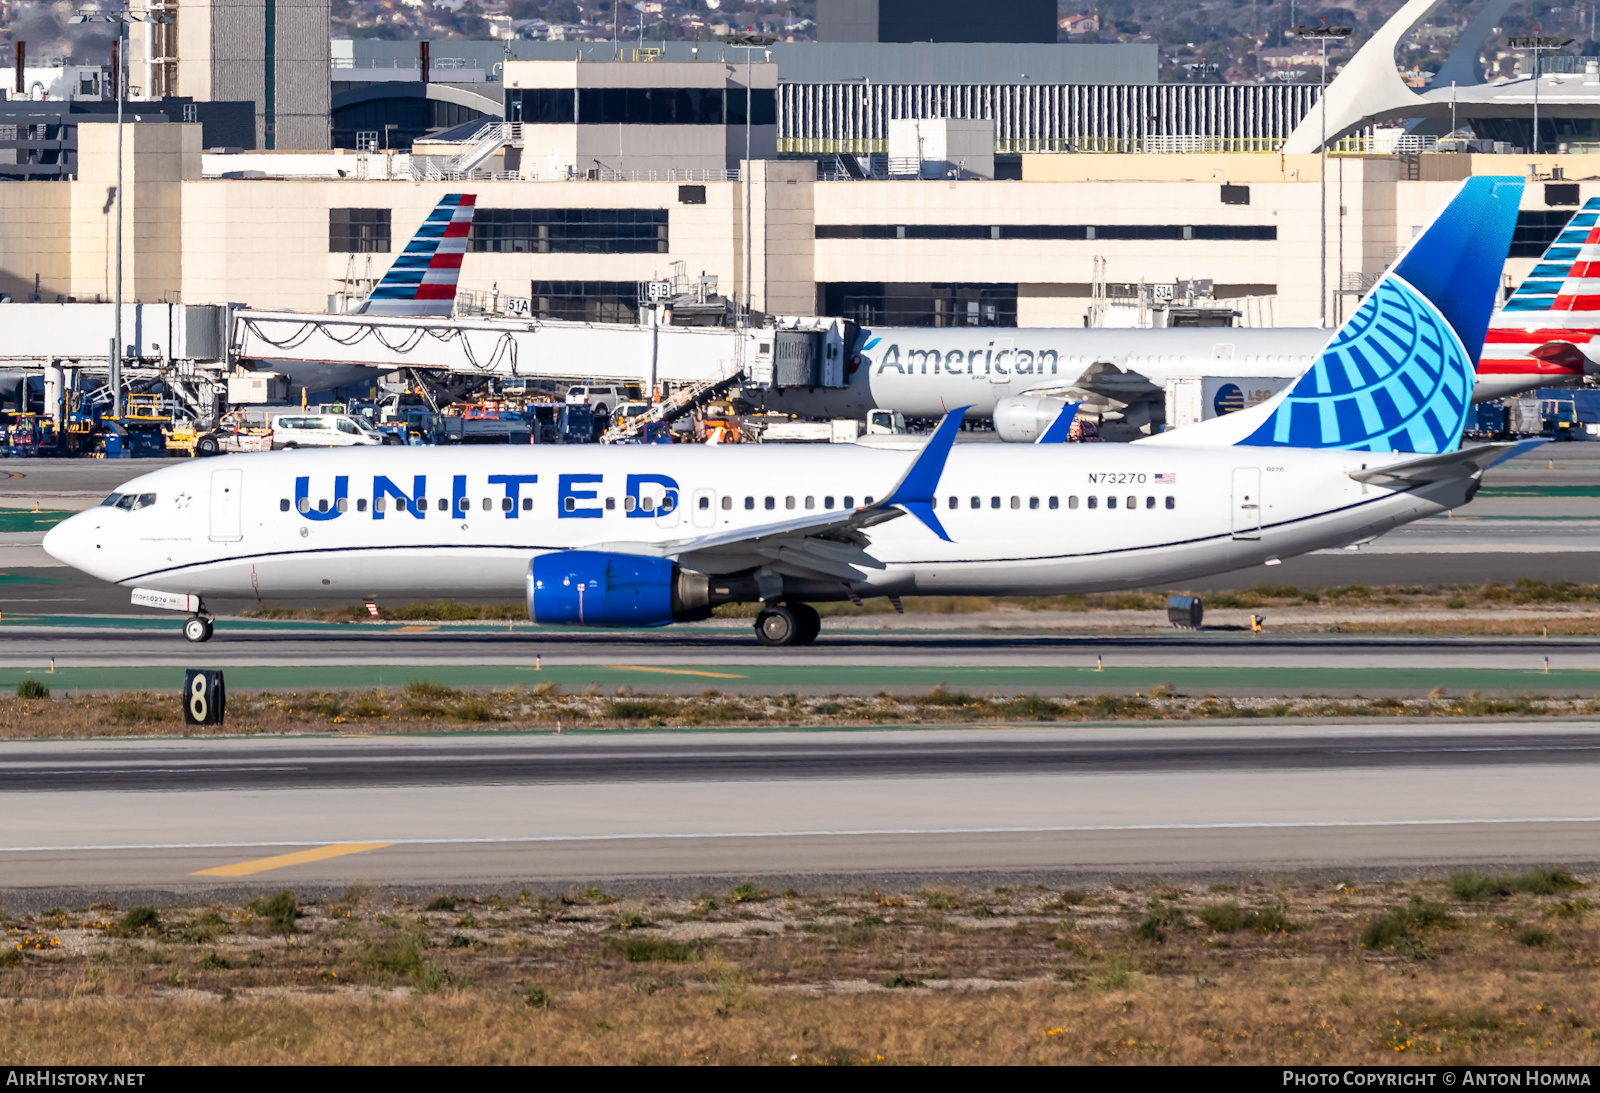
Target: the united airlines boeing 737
(1367, 439)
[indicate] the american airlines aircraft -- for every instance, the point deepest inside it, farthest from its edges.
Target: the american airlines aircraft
(1365, 440)
(1022, 378)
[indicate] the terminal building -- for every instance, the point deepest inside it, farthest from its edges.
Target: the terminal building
(998, 184)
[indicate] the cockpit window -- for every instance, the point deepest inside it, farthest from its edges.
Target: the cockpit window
(131, 502)
(111, 501)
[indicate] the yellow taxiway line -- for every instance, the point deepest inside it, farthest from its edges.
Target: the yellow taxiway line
(672, 671)
(299, 857)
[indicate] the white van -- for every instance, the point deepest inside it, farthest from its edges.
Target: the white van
(603, 400)
(321, 431)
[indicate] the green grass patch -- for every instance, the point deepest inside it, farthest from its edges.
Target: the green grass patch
(642, 950)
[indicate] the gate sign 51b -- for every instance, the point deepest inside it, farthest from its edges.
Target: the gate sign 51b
(204, 697)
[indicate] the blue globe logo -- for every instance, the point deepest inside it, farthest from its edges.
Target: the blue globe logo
(1395, 378)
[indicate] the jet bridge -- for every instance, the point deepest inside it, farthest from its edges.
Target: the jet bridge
(792, 352)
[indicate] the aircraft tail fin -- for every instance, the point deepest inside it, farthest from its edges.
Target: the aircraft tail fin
(1398, 375)
(1567, 277)
(422, 281)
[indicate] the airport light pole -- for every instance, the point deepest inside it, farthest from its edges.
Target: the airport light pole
(748, 42)
(1536, 45)
(1324, 34)
(121, 17)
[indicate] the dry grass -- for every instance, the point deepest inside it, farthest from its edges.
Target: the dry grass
(431, 708)
(1258, 973)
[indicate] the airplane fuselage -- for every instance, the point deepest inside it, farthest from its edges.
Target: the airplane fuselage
(923, 371)
(410, 522)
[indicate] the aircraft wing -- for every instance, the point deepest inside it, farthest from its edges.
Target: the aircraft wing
(1465, 463)
(827, 545)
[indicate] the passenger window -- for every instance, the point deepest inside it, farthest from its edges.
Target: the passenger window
(772, 503)
(666, 504)
(955, 502)
(322, 506)
(628, 504)
(994, 502)
(1033, 502)
(361, 504)
(400, 504)
(867, 501)
(611, 503)
(1016, 503)
(849, 502)
(727, 502)
(1149, 502)
(487, 504)
(648, 504)
(303, 505)
(527, 504)
(1171, 504)
(283, 506)
(811, 502)
(977, 503)
(1133, 502)
(571, 504)
(1055, 502)
(505, 504)
(443, 505)
(343, 504)
(827, 502)
(705, 502)
(380, 504)
(1111, 503)
(1093, 501)
(788, 502)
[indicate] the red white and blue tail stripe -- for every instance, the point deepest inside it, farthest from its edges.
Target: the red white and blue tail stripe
(422, 281)
(1542, 336)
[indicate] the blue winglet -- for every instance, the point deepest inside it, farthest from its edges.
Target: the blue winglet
(1061, 426)
(914, 492)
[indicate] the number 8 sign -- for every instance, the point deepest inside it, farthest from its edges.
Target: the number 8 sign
(204, 697)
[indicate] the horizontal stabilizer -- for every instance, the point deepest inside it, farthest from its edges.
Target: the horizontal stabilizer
(1466, 463)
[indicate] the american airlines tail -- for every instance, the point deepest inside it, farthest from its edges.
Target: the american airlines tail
(1398, 375)
(422, 281)
(1543, 334)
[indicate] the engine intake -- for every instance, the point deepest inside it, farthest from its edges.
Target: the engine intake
(1022, 419)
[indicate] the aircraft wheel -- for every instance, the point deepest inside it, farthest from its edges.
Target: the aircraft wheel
(777, 626)
(196, 628)
(809, 621)
(207, 446)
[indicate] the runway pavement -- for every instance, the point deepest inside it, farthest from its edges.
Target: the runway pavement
(113, 655)
(645, 808)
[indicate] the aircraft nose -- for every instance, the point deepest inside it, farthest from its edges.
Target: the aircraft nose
(71, 542)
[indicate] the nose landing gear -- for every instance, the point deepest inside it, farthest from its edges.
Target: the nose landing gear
(788, 624)
(197, 628)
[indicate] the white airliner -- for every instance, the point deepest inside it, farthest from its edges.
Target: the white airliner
(1543, 337)
(1365, 440)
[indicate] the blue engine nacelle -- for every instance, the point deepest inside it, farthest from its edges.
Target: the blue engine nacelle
(588, 587)
(597, 588)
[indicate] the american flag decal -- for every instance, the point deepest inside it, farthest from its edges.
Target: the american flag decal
(1166, 480)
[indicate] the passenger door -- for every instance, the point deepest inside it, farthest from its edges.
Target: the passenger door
(1247, 503)
(226, 506)
(704, 513)
(1004, 355)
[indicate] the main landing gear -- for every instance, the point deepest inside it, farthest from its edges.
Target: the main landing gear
(197, 628)
(788, 624)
